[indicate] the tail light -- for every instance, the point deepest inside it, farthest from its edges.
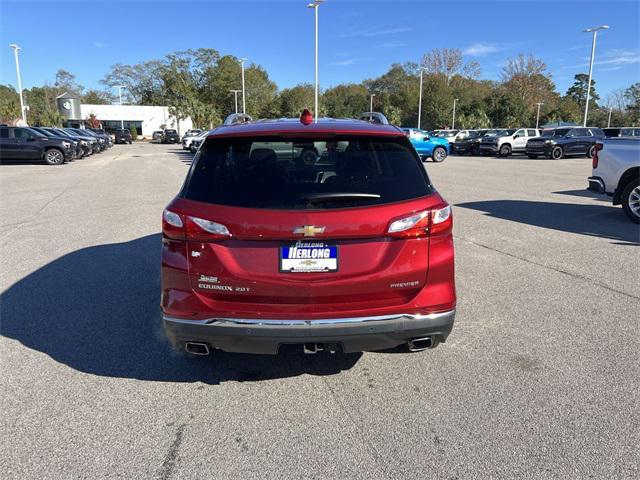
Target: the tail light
(422, 224)
(595, 159)
(185, 227)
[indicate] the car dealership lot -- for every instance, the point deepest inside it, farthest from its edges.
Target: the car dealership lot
(538, 378)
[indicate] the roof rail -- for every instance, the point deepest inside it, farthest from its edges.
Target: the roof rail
(374, 117)
(236, 118)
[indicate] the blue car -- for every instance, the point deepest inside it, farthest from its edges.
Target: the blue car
(427, 146)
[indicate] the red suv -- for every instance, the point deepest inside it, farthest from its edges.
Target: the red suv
(328, 235)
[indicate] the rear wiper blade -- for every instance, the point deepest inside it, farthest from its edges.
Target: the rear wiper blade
(338, 196)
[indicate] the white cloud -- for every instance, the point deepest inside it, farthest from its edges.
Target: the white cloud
(99, 44)
(612, 57)
(375, 32)
(480, 49)
(344, 63)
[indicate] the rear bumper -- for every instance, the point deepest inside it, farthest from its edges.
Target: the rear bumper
(596, 185)
(354, 334)
(492, 148)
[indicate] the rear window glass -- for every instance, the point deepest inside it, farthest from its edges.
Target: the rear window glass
(306, 174)
(170, 131)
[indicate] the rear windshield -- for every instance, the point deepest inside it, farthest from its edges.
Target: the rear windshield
(170, 131)
(310, 174)
(122, 131)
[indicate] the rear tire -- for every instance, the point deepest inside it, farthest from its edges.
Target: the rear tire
(54, 156)
(591, 151)
(505, 151)
(439, 154)
(556, 153)
(631, 200)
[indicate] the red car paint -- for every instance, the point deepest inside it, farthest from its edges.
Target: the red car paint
(207, 275)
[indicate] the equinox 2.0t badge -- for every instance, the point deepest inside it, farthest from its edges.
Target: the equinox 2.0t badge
(309, 230)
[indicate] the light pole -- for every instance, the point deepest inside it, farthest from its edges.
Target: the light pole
(609, 121)
(453, 123)
(593, 52)
(244, 105)
(235, 97)
(315, 4)
(538, 114)
(371, 102)
(22, 109)
(120, 87)
(420, 100)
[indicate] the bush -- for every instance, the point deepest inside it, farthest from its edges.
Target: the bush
(134, 133)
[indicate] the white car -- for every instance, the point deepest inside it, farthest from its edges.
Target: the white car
(188, 138)
(508, 141)
(194, 142)
(616, 173)
(449, 135)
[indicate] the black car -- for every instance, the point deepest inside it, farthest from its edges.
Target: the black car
(123, 135)
(170, 136)
(470, 143)
(556, 143)
(87, 148)
(21, 143)
(102, 134)
(621, 132)
(102, 142)
(93, 141)
(78, 150)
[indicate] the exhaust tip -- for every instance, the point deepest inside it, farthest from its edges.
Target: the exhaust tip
(196, 348)
(419, 344)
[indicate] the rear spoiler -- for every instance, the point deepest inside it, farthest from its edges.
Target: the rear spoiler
(374, 117)
(236, 118)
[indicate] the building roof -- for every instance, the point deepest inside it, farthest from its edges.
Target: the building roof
(293, 126)
(69, 95)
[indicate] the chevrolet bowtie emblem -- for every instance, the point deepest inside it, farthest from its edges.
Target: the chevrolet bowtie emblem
(309, 230)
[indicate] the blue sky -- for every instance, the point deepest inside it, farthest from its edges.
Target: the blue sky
(358, 39)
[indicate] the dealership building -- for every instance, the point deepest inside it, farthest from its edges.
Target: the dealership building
(145, 118)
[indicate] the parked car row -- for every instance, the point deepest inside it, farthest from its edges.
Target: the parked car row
(52, 145)
(553, 143)
(168, 135)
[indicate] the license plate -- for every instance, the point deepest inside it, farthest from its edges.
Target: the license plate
(308, 257)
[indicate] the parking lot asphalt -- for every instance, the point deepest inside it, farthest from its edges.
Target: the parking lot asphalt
(539, 378)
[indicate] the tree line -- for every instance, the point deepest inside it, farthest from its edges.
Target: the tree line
(198, 84)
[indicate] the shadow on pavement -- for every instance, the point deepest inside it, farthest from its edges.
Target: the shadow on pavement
(97, 311)
(592, 220)
(585, 194)
(185, 155)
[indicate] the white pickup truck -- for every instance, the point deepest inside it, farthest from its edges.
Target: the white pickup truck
(616, 172)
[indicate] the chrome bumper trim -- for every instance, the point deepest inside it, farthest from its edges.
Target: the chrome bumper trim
(310, 323)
